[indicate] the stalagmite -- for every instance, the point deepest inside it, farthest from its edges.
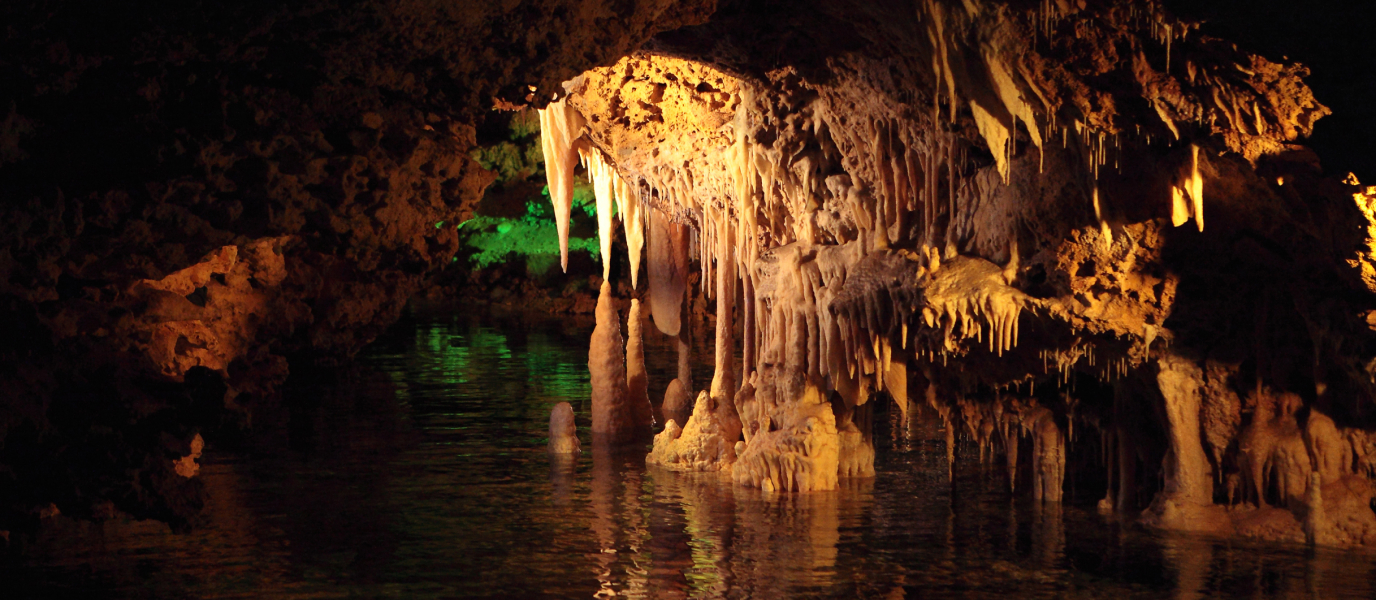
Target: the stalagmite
(616, 417)
(1268, 447)
(637, 380)
(1189, 478)
(563, 433)
(668, 270)
(560, 125)
(1332, 455)
(1186, 500)
(1316, 527)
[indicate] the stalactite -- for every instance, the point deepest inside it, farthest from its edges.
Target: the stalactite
(1180, 211)
(560, 125)
(748, 333)
(603, 186)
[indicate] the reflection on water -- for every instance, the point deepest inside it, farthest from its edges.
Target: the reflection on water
(424, 474)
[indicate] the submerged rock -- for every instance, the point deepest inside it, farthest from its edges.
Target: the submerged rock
(563, 432)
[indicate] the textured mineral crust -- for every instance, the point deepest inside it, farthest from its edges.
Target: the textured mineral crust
(1085, 232)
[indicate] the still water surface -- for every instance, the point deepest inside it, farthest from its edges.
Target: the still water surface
(423, 474)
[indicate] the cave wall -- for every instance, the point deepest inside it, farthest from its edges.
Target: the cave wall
(198, 196)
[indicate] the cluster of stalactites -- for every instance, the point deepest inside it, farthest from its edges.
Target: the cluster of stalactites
(966, 299)
(999, 95)
(1002, 92)
(561, 126)
(740, 200)
(611, 189)
(894, 168)
(1084, 356)
(746, 196)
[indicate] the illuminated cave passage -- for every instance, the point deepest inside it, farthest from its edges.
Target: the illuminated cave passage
(670, 298)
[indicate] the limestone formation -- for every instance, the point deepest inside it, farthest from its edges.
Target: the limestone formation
(187, 466)
(967, 203)
(637, 380)
(667, 264)
(797, 453)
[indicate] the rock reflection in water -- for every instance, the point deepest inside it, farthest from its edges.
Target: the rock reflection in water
(426, 474)
(663, 534)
